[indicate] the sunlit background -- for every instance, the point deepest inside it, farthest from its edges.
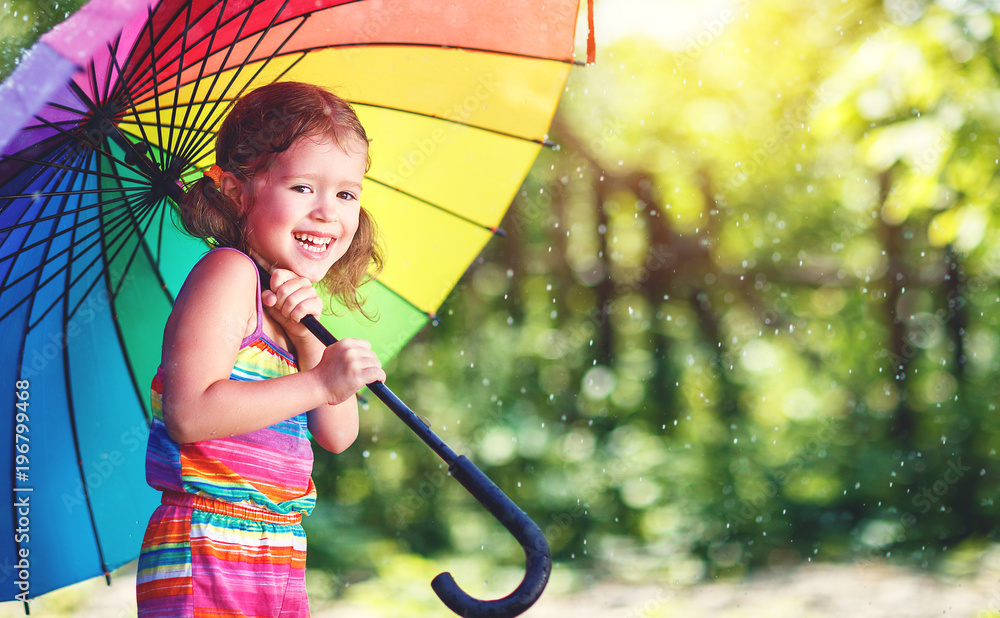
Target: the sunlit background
(743, 323)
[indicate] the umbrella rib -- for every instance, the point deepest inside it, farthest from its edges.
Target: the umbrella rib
(62, 166)
(426, 202)
(243, 64)
(92, 74)
(243, 13)
(71, 412)
(156, 83)
(190, 145)
(116, 223)
(20, 361)
(52, 194)
(113, 65)
(480, 50)
(57, 216)
(533, 140)
(94, 109)
(182, 145)
(168, 156)
(131, 103)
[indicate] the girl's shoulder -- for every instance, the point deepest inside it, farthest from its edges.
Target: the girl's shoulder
(223, 263)
(222, 287)
(223, 274)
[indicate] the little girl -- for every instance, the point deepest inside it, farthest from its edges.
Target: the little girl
(241, 379)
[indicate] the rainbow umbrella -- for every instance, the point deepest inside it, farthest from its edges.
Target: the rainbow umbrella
(115, 109)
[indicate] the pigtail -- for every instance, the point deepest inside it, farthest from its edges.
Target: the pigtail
(208, 214)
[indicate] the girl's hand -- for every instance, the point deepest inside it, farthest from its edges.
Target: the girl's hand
(292, 299)
(347, 366)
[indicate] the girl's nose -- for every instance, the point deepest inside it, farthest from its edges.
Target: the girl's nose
(326, 210)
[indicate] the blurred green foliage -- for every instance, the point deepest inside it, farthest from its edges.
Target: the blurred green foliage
(745, 315)
(23, 21)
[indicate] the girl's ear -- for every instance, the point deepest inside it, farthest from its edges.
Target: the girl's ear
(232, 187)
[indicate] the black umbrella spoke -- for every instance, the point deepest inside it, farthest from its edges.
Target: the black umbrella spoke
(112, 64)
(244, 13)
(96, 233)
(94, 145)
(92, 75)
(438, 207)
(72, 229)
(71, 413)
(197, 82)
(168, 158)
(522, 138)
(118, 223)
(236, 72)
(131, 100)
(156, 83)
(53, 194)
(33, 126)
(139, 83)
(53, 165)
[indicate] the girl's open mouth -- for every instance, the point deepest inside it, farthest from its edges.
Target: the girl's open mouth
(311, 243)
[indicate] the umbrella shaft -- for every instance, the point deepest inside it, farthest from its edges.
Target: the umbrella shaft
(390, 399)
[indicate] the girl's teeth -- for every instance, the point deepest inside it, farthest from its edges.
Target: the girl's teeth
(312, 243)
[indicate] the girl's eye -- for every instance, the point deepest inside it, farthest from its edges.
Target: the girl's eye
(347, 195)
(302, 189)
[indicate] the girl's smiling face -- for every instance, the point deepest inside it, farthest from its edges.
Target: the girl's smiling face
(303, 213)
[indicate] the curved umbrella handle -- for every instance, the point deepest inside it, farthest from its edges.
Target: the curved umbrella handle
(527, 533)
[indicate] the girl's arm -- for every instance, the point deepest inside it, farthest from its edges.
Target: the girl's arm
(210, 318)
(333, 426)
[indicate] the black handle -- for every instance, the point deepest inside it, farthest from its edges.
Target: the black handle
(526, 531)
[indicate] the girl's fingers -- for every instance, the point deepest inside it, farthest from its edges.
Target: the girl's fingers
(294, 296)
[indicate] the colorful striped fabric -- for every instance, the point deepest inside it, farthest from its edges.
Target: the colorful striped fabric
(269, 467)
(225, 541)
(195, 563)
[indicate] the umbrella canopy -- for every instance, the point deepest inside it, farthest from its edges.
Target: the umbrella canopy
(117, 107)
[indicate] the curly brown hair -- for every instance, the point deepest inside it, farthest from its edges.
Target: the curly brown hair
(261, 124)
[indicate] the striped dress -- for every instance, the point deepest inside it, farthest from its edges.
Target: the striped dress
(227, 538)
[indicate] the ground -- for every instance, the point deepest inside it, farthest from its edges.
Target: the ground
(869, 590)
